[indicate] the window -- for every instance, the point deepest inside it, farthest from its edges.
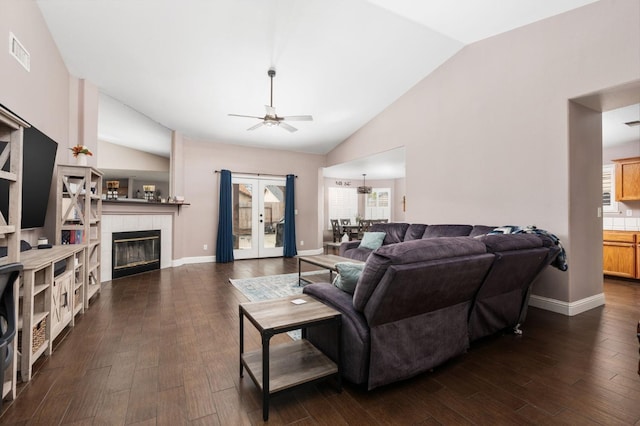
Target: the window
(609, 189)
(343, 204)
(378, 204)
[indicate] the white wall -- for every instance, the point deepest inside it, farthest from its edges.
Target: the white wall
(40, 96)
(114, 156)
(491, 127)
(195, 167)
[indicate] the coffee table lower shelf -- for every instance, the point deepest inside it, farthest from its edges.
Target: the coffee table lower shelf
(290, 364)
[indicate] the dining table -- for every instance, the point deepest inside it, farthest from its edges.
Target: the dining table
(351, 231)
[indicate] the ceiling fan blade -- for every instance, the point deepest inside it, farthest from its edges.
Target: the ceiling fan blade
(260, 124)
(298, 118)
(288, 127)
(271, 111)
(245, 116)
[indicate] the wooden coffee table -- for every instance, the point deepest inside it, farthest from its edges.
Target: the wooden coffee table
(327, 261)
(274, 369)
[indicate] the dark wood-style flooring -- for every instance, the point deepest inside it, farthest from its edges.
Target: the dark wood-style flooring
(161, 348)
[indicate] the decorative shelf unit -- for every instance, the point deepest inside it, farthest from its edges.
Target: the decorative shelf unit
(79, 276)
(78, 221)
(49, 277)
(11, 131)
(92, 280)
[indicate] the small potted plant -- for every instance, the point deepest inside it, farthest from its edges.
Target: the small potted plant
(80, 152)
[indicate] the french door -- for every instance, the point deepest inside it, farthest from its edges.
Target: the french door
(258, 217)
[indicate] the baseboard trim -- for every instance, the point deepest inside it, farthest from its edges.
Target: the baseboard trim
(567, 308)
(190, 260)
(211, 259)
(310, 252)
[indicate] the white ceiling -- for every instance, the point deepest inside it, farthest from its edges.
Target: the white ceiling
(384, 165)
(122, 125)
(614, 129)
(186, 64)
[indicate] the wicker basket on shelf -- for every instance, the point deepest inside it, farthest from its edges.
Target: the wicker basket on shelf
(38, 336)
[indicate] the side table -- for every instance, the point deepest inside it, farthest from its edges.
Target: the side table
(286, 365)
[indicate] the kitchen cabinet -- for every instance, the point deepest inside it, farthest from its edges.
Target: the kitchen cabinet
(627, 179)
(619, 254)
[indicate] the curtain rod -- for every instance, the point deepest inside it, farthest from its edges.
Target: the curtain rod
(256, 174)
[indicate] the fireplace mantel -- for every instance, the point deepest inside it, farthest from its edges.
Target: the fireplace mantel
(139, 207)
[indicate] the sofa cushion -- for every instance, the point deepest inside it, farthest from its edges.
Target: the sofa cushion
(409, 252)
(358, 253)
(506, 242)
(372, 240)
(348, 274)
(415, 231)
(434, 231)
(481, 230)
(395, 231)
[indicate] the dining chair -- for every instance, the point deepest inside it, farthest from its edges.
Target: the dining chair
(335, 228)
(365, 224)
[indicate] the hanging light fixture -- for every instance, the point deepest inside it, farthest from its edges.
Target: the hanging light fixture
(364, 189)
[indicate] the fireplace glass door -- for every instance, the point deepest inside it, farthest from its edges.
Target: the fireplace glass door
(258, 217)
(135, 252)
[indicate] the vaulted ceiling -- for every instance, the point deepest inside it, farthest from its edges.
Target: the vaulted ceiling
(187, 64)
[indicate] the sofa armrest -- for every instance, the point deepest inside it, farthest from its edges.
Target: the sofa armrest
(348, 245)
(355, 338)
(341, 301)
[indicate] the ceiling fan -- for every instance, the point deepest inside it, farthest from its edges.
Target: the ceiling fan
(271, 118)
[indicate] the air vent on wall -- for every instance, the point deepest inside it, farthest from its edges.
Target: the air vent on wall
(18, 51)
(633, 123)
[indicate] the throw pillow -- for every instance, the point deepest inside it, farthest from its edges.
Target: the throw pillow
(372, 240)
(348, 275)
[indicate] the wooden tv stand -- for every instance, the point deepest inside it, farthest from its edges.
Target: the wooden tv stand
(46, 300)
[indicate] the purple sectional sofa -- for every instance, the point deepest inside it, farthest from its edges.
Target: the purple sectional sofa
(421, 301)
(399, 232)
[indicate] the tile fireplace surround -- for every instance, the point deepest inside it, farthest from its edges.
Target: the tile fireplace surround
(135, 222)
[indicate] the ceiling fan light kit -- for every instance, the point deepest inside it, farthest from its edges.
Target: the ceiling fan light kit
(271, 118)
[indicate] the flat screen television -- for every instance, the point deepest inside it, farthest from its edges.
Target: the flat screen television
(38, 160)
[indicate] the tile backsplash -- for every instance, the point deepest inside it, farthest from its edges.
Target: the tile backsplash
(621, 223)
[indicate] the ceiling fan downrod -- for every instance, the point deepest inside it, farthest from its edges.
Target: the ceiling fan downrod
(271, 73)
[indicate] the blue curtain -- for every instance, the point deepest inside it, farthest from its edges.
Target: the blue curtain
(290, 219)
(224, 242)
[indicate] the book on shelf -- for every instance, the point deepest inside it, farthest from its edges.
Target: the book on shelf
(72, 237)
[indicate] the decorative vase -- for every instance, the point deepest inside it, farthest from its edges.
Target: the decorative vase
(81, 159)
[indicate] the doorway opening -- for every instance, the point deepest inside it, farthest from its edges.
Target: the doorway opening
(258, 216)
(585, 186)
